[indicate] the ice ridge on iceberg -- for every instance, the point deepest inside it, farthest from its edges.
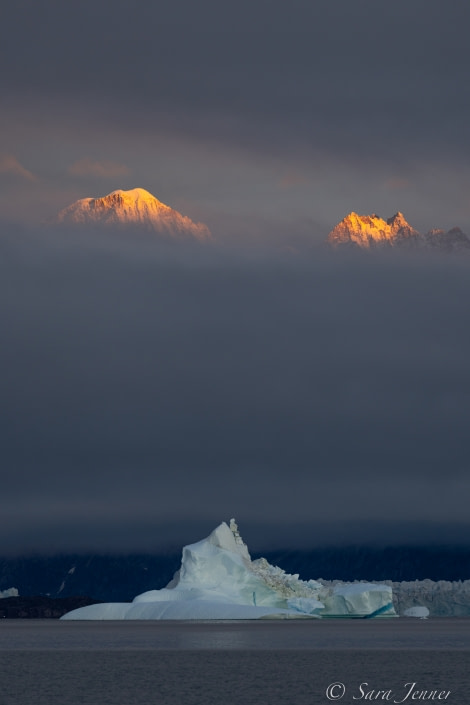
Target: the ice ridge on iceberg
(219, 580)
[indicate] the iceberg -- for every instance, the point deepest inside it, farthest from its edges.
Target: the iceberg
(219, 580)
(11, 592)
(418, 611)
(442, 598)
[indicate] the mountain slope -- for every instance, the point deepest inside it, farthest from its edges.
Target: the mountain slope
(136, 207)
(371, 231)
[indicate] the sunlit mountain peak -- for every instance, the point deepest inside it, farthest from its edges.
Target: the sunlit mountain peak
(136, 207)
(371, 231)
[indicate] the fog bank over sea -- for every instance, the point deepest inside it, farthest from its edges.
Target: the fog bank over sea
(153, 390)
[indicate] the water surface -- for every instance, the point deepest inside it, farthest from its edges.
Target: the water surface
(47, 662)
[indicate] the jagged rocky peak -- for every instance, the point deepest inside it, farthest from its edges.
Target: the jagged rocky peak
(134, 208)
(371, 231)
(399, 223)
(398, 220)
(453, 240)
(364, 230)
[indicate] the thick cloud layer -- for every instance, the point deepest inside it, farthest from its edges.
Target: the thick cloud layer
(323, 67)
(149, 392)
(302, 111)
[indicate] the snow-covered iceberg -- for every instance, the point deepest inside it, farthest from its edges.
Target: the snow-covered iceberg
(218, 580)
(418, 611)
(11, 592)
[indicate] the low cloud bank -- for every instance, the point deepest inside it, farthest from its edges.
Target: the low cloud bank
(150, 391)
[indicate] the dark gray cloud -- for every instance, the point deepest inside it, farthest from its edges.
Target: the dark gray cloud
(149, 392)
(360, 80)
(214, 108)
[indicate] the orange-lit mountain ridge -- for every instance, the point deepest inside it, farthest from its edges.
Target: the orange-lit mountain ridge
(371, 231)
(136, 207)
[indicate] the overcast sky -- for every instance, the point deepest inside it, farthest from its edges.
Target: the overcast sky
(149, 392)
(253, 111)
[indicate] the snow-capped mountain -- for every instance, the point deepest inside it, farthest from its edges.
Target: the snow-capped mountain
(371, 231)
(136, 207)
(454, 239)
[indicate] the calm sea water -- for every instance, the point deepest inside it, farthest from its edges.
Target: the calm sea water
(244, 663)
